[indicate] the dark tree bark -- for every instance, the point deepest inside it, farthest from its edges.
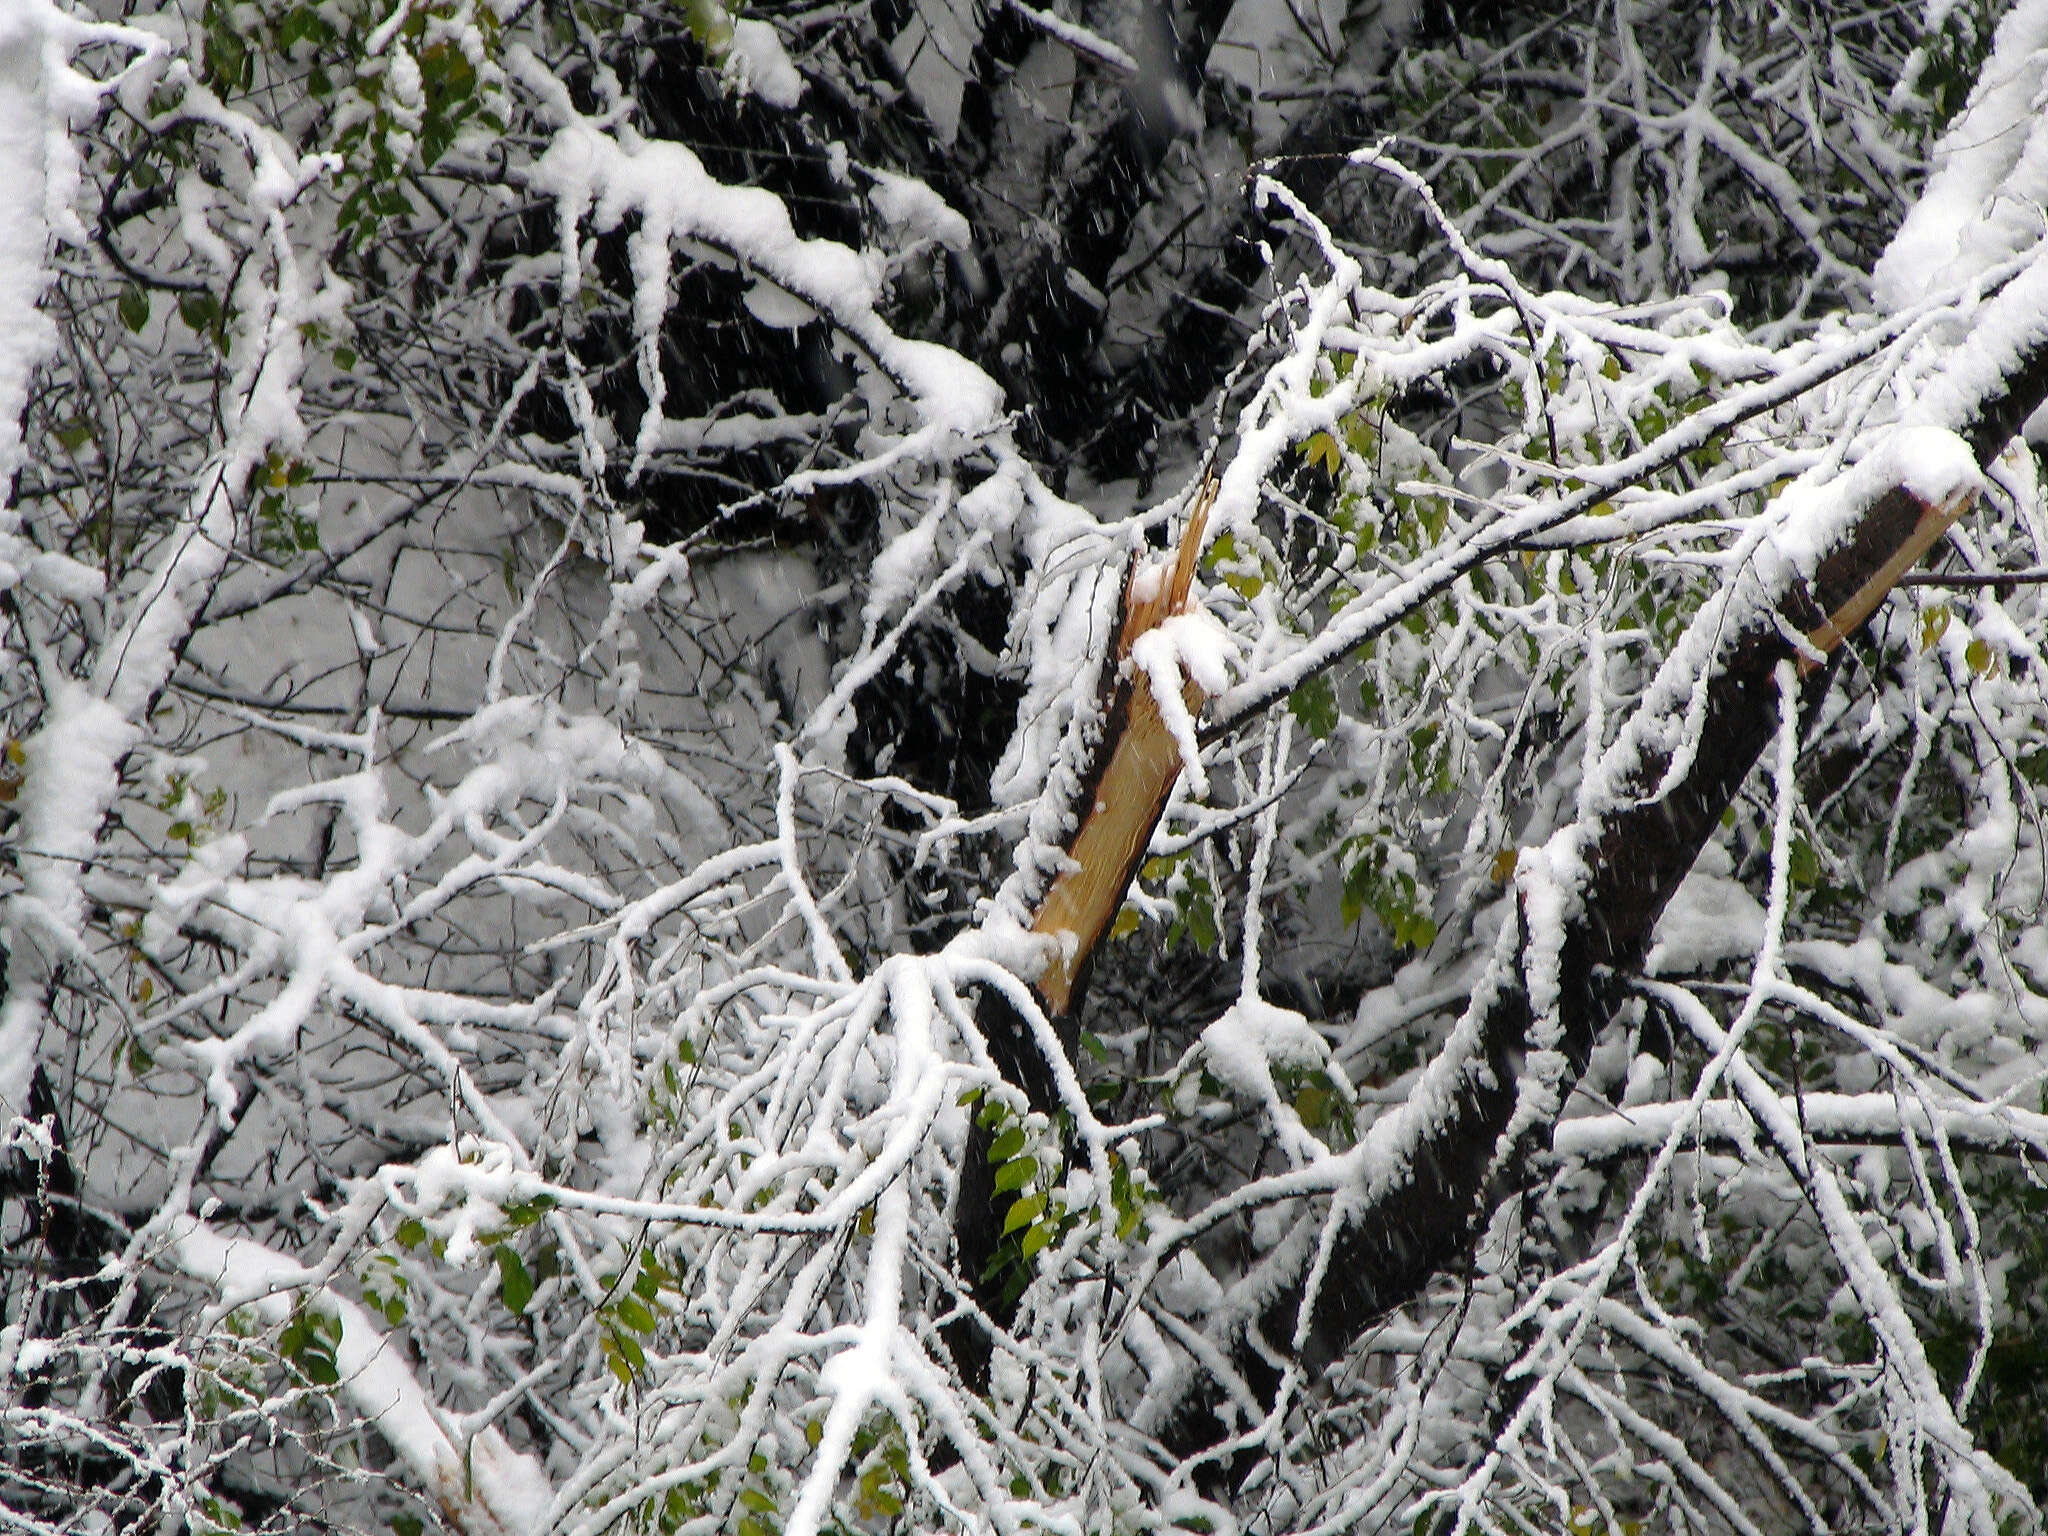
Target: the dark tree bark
(1451, 1174)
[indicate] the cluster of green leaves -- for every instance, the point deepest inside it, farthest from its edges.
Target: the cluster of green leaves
(213, 1516)
(881, 1466)
(197, 813)
(1024, 1154)
(878, 1464)
(1322, 1106)
(628, 1321)
(1381, 508)
(1380, 879)
(307, 1344)
(227, 1371)
(202, 311)
(1243, 571)
(1193, 896)
(516, 1280)
(133, 1054)
(391, 114)
(1318, 1101)
(710, 22)
(284, 524)
(1131, 1196)
(1314, 707)
(758, 1504)
(1414, 758)
(666, 1089)
(384, 1286)
(448, 43)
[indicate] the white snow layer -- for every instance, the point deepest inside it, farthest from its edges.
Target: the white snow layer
(916, 212)
(1711, 919)
(1079, 40)
(70, 771)
(756, 64)
(41, 98)
(605, 175)
(1983, 203)
(25, 333)
(496, 1488)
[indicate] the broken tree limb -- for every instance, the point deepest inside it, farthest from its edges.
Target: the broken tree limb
(1415, 1194)
(1136, 762)
(1140, 761)
(1929, 521)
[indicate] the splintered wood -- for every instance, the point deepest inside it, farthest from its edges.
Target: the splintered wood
(1129, 793)
(1930, 521)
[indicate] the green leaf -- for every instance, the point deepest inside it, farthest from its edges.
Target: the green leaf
(515, 1285)
(1023, 1212)
(525, 1213)
(411, 1232)
(711, 23)
(634, 1314)
(1314, 705)
(133, 307)
(1007, 1145)
(198, 310)
(1322, 449)
(1015, 1174)
(308, 1341)
(1312, 1104)
(407, 1525)
(629, 1349)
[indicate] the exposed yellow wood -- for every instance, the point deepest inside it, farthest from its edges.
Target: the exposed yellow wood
(1935, 520)
(1106, 851)
(1130, 792)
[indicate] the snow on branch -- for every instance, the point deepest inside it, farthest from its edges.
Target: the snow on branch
(482, 1485)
